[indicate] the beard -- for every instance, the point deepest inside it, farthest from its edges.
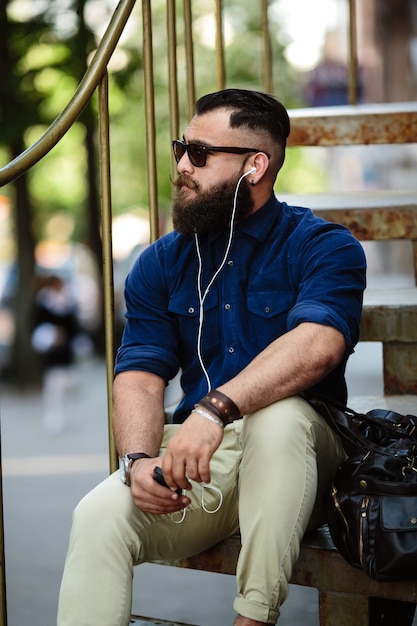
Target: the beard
(211, 209)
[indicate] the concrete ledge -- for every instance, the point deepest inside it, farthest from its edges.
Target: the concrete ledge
(375, 215)
(389, 315)
(406, 404)
(386, 123)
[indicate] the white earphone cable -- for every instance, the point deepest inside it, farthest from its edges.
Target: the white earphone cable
(201, 296)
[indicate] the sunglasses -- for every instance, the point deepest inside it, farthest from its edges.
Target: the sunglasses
(197, 153)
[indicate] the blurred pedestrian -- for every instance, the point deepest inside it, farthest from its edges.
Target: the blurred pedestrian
(56, 327)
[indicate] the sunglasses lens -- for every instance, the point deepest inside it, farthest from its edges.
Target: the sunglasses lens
(179, 150)
(197, 155)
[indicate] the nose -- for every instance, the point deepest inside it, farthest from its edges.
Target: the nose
(184, 165)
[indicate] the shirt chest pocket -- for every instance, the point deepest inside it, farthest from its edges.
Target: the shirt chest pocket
(185, 306)
(268, 313)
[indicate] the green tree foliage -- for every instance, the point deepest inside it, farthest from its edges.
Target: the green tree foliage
(41, 69)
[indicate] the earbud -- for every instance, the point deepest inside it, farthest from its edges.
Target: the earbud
(251, 171)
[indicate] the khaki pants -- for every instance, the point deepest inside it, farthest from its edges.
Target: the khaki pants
(272, 468)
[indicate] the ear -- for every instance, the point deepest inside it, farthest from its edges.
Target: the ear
(260, 162)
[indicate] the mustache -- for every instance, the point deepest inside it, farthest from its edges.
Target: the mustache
(184, 180)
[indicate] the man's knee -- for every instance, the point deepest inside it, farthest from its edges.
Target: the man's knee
(102, 507)
(280, 422)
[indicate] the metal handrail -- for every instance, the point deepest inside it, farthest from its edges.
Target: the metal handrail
(107, 253)
(353, 55)
(78, 102)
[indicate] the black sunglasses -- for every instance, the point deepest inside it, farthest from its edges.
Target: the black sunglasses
(197, 153)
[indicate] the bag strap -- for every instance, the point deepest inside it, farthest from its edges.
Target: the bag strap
(396, 422)
(347, 422)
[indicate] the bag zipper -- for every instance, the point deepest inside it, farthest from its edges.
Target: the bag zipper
(339, 508)
(362, 526)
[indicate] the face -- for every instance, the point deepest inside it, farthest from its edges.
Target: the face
(205, 195)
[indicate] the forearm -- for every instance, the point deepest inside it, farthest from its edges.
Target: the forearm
(138, 412)
(291, 364)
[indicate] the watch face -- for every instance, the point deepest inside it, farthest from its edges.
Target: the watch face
(123, 467)
(126, 463)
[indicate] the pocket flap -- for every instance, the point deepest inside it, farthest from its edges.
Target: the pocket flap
(399, 513)
(269, 304)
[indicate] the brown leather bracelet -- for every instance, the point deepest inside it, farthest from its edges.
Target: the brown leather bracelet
(221, 405)
(206, 404)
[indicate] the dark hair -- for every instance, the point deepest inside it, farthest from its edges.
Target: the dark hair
(251, 109)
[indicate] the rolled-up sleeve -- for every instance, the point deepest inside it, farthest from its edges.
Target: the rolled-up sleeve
(150, 336)
(332, 279)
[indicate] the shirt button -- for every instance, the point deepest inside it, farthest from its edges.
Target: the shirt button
(191, 309)
(231, 349)
(227, 307)
(267, 309)
(230, 263)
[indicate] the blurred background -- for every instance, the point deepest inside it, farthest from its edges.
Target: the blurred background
(50, 223)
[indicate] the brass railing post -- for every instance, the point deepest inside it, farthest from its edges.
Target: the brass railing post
(189, 58)
(172, 73)
(3, 596)
(150, 119)
(353, 54)
(267, 48)
(106, 219)
(220, 62)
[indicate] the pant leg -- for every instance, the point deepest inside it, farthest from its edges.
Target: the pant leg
(110, 535)
(290, 456)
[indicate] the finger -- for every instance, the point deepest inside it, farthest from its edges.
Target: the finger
(204, 470)
(174, 471)
(191, 470)
(166, 466)
(162, 505)
(160, 510)
(179, 473)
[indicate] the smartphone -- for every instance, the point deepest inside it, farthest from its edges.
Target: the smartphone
(159, 477)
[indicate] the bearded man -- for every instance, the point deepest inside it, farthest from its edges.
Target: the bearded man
(256, 303)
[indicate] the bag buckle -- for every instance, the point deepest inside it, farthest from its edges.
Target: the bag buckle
(410, 467)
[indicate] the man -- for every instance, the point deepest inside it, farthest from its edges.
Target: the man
(255, 302)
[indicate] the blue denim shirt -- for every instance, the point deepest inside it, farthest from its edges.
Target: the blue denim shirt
(285, 266)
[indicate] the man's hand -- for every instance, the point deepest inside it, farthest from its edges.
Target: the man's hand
(189, 452)
(148, 495)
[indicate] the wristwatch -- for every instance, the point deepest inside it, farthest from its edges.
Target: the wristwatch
(126, 462)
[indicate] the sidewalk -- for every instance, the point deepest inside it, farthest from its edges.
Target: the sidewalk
(45, 476)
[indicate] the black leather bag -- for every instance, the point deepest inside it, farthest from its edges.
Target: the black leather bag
(372, 506)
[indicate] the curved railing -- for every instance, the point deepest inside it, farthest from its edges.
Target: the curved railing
(78, 102)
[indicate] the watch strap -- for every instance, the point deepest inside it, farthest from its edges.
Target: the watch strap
(128, 461)
(134, 456)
